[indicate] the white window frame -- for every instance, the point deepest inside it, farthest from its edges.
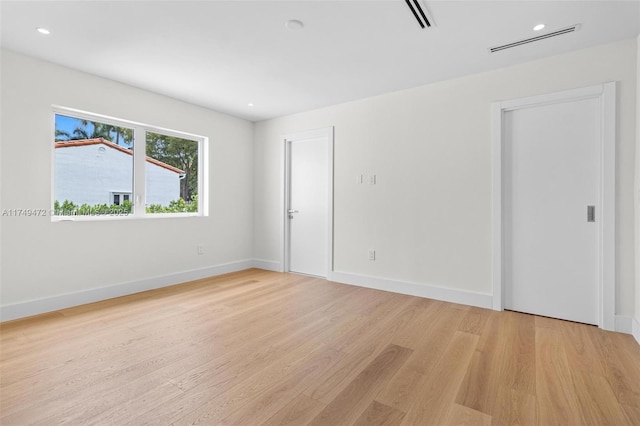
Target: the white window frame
(138, 195)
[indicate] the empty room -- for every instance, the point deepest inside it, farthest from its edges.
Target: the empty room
(319, 212)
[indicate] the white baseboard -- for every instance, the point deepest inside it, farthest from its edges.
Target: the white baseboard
(40, 306)
(463, 297)
(635, 329)
(268, 265)
(623, 324)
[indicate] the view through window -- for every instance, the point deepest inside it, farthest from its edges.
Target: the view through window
(95, 167)
(181, 155)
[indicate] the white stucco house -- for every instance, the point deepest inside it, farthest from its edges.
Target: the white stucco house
(97, 171)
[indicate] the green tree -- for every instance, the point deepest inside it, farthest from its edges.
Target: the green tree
(180, 153)
(122, 133)
(93, 129)
(61, 135)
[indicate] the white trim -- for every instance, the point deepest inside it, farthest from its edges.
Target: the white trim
(608, 200)
(267, 265)
(115, 121)
(286, 195)
(607, 94)
(623, 324)
(328, 133)
(635, 329)
(464, 297)
(39, 306)
(496, 206)
(139, 183)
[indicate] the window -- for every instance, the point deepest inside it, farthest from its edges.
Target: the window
(105, 167)
(120, 197)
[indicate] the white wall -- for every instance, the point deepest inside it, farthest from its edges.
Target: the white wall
(41, 259)
(429, 216)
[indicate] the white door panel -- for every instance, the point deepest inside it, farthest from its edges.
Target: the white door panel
(309, 203)
(552, 166)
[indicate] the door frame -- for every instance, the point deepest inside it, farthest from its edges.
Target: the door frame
(606, 93)
(328, 133)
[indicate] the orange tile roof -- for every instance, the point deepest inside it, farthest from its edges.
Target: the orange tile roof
(97, 141)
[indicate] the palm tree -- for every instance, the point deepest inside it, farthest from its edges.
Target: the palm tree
(92, 130)
(61, 135)
(122, 133)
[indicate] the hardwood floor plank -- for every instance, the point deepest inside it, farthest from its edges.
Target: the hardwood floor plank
(371, 342)
(597, 402)
(633, 414)
(401, 390)
(73, 402)
(299, 411)
(336, 379)
(512, 407)
(378, 414)
(460, 415)
(475, 320)
(617, 352)
(265, 405)
(255, 398)
(486, 370)
(376, 320)
(519, 353)
(418, 315)
(349, 404)
(556, 398)
(67, 367)
(432, 402)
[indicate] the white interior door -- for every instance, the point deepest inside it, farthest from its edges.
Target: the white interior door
(551, 178)
(309, 212)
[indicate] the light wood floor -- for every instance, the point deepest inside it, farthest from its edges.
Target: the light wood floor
(258, 347)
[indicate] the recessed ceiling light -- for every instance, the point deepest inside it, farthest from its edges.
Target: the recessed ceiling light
(43, 31)
(294, 24)
(250, 104)
(539, 27)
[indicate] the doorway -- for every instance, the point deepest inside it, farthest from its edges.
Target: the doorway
(554, 190)
(308, 211)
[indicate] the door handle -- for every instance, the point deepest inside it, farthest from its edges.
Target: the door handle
(591, 213)
(293, 211)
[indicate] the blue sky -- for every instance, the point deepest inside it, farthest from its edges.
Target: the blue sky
(67, 124)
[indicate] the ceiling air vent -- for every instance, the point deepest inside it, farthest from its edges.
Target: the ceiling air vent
(420, 13)
(533, 39)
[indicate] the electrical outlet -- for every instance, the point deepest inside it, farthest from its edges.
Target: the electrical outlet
(372, 254)
(359, 179)
(372, 179)
(200, 249)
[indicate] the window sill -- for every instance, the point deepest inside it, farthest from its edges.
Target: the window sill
(102, 218)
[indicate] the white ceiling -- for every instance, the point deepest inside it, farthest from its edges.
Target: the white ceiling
(226, 54)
